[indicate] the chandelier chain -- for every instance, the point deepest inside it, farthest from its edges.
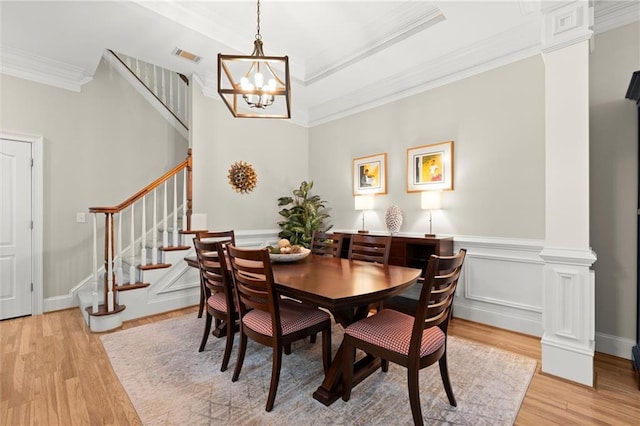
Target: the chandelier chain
(258, 36)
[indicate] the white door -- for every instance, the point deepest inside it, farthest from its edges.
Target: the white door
(15, 229)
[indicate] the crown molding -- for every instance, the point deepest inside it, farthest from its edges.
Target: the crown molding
(610, 15)
(21, 64)
(409, 19)
(509, 46)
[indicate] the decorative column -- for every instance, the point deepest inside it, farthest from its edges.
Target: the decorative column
(568, 319)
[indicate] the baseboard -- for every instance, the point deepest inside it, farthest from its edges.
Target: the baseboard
(497, 319)
(58, 303)
(614, 345)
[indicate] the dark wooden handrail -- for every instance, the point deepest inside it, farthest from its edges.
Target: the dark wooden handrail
(153, 185)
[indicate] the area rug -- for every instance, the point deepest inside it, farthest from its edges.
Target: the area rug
(170, 383)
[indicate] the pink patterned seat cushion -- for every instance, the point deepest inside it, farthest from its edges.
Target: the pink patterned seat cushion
(293, 317)
(217, 302)
(392, 330)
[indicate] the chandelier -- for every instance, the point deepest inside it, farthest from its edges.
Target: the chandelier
(263, 88)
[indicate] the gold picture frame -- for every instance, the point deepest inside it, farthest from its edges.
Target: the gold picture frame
(430, 167)
(370, 174)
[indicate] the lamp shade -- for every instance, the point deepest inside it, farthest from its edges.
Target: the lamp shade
(430, 200)
(363, 202)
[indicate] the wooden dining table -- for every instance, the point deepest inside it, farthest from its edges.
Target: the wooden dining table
(345, 288)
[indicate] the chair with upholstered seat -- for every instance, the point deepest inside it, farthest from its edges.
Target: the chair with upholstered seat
(224, 237)
(325, 244)
(219, 296)
(407, 301)
(267, 318)
(414, 342)
(370, 248)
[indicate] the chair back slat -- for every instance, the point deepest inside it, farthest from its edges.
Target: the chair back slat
(440, 282)
(325, 244)
(223, 236)
(213, 270)
(370, 248)
(253, 281)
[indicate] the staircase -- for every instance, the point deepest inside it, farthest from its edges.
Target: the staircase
(138, 253)
(166, 90)
(139, 245)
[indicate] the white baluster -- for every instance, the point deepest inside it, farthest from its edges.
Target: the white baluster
(185, 102)
(94, 293)
(171, 90)
(165, 220)
(163, 89)
(154, 230)
(184, 200)
(143, 245)
(137, 68)
(110, 301)
(118, 260)
(178, 94)
(132, 245)
(154, 83)
(174, 241)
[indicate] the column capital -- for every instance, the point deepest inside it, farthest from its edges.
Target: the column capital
(565, 23)
(568, 256)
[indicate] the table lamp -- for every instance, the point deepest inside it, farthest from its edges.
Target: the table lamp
(430, 201)
(363, 202)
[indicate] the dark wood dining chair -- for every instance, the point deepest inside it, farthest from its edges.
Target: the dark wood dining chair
(267, 318)
(414, 342)
(218, 293)
(326, 244)
(224, 237)
(407, 301)
(370, 248)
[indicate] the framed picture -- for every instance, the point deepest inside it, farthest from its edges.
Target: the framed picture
(430, 167)
(370, 175)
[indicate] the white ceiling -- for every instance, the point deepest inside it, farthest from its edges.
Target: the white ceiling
(345, 56)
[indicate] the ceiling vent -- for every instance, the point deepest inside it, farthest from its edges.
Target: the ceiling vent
(187, 55)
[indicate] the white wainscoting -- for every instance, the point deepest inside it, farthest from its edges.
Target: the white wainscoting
(501, 283)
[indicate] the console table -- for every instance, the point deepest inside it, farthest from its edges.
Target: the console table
(412, 252)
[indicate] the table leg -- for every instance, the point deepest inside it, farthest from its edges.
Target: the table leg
(331, 388)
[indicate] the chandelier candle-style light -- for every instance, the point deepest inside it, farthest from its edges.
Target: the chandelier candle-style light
(263, 89)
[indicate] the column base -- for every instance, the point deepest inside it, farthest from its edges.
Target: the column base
(571, 363)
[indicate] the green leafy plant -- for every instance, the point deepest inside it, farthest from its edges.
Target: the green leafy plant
(303, 215)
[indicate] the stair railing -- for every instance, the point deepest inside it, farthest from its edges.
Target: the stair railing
(138, 245)
(168, 87)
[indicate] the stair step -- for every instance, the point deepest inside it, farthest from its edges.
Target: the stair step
(156, 266)
(102, 310)
(192, 231)
(125, 287)
(174, 248)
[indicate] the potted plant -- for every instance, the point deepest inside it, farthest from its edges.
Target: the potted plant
(303, 215)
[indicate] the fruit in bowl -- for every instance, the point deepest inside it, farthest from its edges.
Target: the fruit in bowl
(285, 252)
(284, 247)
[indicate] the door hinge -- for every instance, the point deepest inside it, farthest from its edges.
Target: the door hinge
(32, 287)
(32, 162)
(32, 225)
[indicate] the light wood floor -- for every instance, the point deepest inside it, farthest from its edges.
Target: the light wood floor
(54, 371)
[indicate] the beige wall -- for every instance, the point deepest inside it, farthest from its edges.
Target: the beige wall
(100, 146)
(277, 150)
(614, 178)
(496, 120)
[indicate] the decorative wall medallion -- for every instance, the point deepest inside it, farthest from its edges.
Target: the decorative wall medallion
(242, 177)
